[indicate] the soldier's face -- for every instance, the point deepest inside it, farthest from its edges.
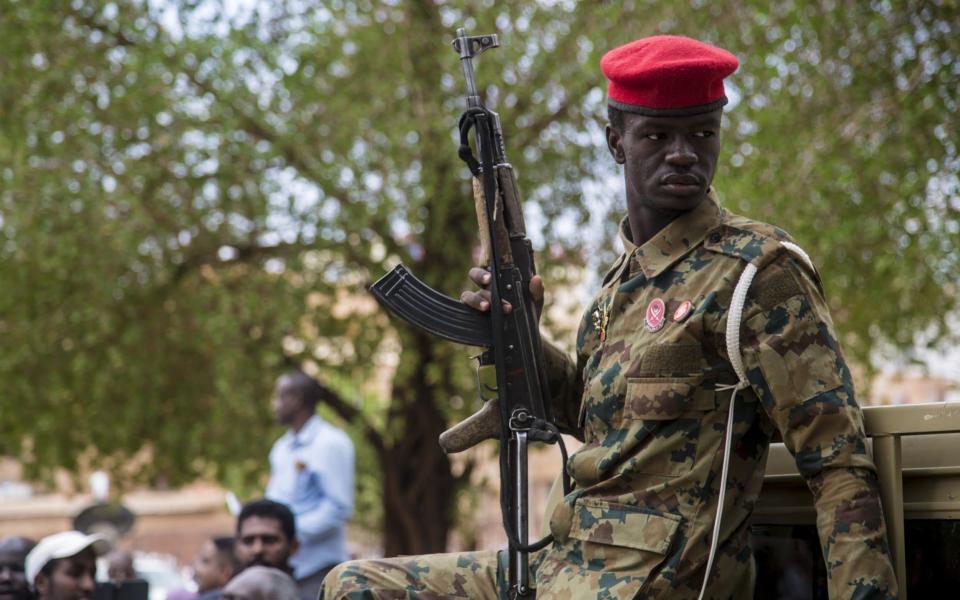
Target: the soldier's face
(668, 162)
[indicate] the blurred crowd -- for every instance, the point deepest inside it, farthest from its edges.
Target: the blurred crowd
(252, 564)
(282, 547)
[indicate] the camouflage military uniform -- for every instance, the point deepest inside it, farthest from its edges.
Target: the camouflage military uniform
(646, 404)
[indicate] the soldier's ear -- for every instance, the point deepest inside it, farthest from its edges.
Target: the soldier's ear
(615, 145)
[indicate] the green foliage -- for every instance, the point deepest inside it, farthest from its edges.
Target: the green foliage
(194, 199)
(846, 137)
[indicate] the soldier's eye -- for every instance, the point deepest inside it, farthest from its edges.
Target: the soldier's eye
(656, 136)
(703, 134)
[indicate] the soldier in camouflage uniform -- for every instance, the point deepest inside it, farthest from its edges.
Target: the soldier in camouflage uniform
(653, 383)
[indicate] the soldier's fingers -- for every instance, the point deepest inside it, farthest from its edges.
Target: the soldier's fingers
(536, 294)
(479, 300)
(479, 276)
(536, 289)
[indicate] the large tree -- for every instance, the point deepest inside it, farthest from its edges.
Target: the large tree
(193, 199)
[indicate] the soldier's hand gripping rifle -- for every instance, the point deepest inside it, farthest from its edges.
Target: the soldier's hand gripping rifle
(520, 412)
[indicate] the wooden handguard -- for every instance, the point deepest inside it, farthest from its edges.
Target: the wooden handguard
(506, 256)
(480, 426)
(485, 423)
(510, 197)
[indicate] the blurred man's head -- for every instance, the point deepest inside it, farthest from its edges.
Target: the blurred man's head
(120, 566)
(261, 583)
(295, 398)
(266, 535)
(62, 566)
(13, 577)
(215, 564)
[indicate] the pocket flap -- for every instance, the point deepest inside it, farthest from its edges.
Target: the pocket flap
(604, 522)
(665, 398)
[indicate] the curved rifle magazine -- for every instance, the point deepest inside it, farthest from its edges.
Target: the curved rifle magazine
(419, 304)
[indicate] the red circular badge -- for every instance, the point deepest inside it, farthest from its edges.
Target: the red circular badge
(683, 311)
(656, 315)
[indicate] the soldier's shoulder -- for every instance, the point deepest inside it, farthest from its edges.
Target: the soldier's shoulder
(783, 265)
(752, 241)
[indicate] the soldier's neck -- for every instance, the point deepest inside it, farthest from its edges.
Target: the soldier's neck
(646, 222)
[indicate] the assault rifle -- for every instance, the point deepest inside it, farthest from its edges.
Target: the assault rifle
(520, 412)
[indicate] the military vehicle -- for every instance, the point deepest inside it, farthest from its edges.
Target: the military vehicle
(916, 448)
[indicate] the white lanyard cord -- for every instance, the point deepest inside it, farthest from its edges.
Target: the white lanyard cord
(734, 319)
(734, 316)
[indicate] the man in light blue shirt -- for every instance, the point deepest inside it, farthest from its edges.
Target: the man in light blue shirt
(311, 471)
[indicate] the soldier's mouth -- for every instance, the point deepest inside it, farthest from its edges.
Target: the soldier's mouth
(681, 184)
(680, 179)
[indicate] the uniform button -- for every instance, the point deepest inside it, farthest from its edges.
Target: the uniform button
(715, 237)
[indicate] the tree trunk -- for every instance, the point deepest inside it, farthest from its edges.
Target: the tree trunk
(419, 489)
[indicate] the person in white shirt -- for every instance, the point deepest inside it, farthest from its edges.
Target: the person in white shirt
(312, 472)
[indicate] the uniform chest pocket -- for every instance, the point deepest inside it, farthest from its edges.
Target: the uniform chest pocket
(667, 382)
(667, 414)
(666, 398)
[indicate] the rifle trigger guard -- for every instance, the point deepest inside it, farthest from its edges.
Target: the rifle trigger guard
(480, 385)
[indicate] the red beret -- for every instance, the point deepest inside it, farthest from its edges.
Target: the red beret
(668, 75)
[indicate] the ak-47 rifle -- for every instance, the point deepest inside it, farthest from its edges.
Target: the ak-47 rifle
(520, 412)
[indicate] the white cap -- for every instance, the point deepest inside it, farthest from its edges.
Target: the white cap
(61, 545)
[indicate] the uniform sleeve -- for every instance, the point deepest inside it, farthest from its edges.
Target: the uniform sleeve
(566, 389)
(795, 366)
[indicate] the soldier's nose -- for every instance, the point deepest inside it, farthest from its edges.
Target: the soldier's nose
(682, 156)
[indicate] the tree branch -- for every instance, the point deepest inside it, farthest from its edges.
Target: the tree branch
(118, 36)
(351, 414)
